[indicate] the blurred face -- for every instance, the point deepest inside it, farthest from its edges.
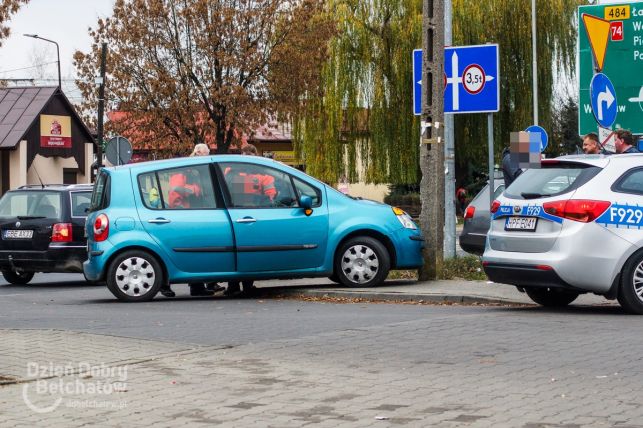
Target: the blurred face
(590, 147)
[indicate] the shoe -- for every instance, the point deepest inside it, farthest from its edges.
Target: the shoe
(214, 287)
(248, 288)
(233, 289)
(167, 292)
(200, 290)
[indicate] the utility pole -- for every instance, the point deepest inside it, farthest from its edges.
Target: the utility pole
(450, 234)
(534, 61)
(101, 106)
(432, 146)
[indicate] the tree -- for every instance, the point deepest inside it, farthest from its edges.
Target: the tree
(190, 69)
(8, 8)
(564, 135)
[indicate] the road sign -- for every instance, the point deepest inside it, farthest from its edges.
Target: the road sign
(471, 79)
(118, 150)
(610, 40)
(542, 135)
(603, 97)
(417, 82)
(606, 137)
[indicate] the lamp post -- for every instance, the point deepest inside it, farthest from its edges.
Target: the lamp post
(35, 36)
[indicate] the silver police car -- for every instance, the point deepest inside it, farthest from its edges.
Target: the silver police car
(573, 226)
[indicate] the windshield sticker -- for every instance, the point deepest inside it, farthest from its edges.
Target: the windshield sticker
(525, 211)
(622, 215)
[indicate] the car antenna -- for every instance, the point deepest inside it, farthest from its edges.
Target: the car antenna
(38, 175)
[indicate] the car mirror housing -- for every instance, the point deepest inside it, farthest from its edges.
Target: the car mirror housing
(306, 202)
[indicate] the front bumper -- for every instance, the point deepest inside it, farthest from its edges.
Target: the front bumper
(55, 259)
(408, 247)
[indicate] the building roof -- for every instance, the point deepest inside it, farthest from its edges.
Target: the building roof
(20, 107)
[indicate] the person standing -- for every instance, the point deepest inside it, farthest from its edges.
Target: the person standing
(624, 142)
(510, 170)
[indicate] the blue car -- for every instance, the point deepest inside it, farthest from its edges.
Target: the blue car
(234, 217)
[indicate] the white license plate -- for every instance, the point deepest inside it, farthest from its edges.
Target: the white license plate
(521, 223)
(18, 234)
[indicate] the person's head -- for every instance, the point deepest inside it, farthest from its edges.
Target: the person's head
(249, 150)
(623, 140)
(201, 149)
(591, 144)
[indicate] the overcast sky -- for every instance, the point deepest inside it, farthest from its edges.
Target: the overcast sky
(64, 21)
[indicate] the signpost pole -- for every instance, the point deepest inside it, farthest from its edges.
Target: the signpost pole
(492, 186)
(449, 146)
(534, 68)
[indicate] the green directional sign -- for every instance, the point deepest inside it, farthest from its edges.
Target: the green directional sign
(610, 41)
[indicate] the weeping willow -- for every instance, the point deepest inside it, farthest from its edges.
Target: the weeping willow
(362, 117)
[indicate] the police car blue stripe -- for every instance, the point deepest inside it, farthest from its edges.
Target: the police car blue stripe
(622, 215)
(526, 211)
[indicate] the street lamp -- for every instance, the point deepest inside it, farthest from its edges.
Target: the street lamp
(35, 36)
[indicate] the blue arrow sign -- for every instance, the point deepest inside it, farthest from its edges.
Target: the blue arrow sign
(417, 82)
(603, 97)
(540, 136)
(471, 79)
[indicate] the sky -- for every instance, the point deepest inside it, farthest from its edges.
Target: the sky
(64, 21)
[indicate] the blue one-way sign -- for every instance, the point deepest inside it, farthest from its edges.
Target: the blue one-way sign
(471, 79)
(603, 96)
(417, 82)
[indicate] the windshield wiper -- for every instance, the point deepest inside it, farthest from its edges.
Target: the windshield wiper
(30, 217)
(529, 195)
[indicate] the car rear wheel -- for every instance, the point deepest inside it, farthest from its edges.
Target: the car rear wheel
(17, 278)
(134, 276)
(551, 297)
(362, 262)
(630, 293)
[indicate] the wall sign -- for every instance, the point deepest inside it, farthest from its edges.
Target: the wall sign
(55, 131)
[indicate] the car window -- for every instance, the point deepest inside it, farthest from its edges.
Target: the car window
(80, 202)
(101, 193)
(630, 182)
(31, 204)
(308, 190)
(182, 188)
(550, 180)
(257, 186)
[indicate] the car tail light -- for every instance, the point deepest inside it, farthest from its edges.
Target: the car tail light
(583, 210)
(61, 232)
(494, 206)
(470, 211)
(101, 228)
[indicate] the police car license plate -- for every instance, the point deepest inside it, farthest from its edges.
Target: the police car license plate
(521, 223)
(18, 234)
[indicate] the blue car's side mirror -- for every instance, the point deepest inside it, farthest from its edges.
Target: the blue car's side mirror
(306, 202)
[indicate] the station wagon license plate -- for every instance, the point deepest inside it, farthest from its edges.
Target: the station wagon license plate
(521, 223)
(18, 234)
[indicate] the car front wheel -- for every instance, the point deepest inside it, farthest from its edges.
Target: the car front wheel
(362, 262)
(17, 278)
(551, 297)
(134, 276)
(630, 294)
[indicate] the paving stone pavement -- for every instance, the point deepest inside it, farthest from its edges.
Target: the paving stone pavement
(411, 374)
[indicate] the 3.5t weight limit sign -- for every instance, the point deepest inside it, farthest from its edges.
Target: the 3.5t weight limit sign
(473, 79)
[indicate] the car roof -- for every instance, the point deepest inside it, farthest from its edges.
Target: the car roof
(601, 161)
(87, 187)
(184, 161)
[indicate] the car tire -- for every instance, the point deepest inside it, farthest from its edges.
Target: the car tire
(631, 285)
(134, 276)
(551, 297)
(362, 262)
(17, 278)
(335, 278)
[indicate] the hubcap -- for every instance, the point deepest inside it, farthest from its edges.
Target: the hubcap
(135, 276)
(637, 281)
(360, 264)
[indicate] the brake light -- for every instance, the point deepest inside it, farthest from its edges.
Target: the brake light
(469, 212)
(494, 206)
(61, 232)
(583, 210)
(101, 228)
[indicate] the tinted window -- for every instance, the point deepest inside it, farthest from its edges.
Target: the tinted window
(100, 195)
(630, 182)
(31, 204)
(80, 202)
(178, 188)
(257, 186)
(308, 190)
(550, 180)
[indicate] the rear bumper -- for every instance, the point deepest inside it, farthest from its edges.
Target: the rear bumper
(55, 259)
(524, 275)
(473, 244)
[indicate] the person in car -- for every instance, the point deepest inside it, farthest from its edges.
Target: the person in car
(591, 146)
(624, 142)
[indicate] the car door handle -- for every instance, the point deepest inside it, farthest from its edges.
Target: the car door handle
(246, 220)
(158, 220)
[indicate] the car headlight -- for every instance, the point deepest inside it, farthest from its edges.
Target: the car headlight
(404, 218)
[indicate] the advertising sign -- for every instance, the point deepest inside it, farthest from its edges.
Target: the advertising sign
(55, 131)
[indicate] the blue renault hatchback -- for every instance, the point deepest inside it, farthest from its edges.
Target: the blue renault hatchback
(234, 217)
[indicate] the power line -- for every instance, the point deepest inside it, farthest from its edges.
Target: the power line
(27, 68)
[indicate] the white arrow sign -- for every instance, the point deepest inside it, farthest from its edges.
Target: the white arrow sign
(606, 97)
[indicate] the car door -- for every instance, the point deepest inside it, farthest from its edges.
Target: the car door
(182, 213)
(272, 232)
(624, 217)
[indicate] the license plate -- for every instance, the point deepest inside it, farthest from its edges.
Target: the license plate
(521, 223)
(18, 234)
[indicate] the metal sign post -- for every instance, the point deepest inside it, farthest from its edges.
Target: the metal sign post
(492, 186)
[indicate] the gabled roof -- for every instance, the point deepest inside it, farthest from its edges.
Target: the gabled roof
(20, 107)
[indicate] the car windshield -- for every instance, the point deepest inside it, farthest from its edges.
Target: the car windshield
(30, 204)
(550, 180)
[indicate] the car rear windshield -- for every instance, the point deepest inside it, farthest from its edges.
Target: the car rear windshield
(100, 195)
(550, 180)
(31, 204)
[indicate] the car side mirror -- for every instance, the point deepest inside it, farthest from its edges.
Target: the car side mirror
(306, 202)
